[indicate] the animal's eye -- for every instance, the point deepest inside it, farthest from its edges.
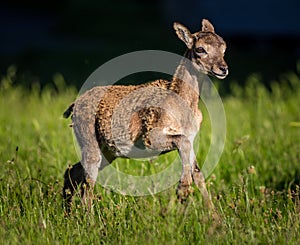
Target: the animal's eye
(201, 50)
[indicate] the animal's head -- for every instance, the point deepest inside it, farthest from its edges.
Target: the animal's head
(206, 49)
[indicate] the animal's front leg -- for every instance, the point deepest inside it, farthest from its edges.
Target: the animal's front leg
(184, 186)
(200, 183)
(199, 180)
(160, 141)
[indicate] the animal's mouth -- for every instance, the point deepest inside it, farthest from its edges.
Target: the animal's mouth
(219, 75)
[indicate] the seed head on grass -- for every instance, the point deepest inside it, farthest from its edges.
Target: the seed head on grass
(251, 170)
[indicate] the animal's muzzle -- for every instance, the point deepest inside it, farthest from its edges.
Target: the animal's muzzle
(220, 71)
(224, 70)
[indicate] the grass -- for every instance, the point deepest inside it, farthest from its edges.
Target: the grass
(255, 186)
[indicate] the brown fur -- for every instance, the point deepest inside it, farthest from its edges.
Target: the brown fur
(98, 131)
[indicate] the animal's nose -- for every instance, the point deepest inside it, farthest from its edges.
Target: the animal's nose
(224, 69)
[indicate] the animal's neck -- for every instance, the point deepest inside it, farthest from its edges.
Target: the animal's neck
(185, 82)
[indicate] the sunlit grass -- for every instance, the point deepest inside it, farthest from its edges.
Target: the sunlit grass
(255, 186)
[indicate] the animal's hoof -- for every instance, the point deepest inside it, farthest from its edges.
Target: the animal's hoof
(183, 191)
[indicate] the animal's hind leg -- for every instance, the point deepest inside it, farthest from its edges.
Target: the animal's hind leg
(73, 177)
(83, 174)
(84, 128)
(91, 160)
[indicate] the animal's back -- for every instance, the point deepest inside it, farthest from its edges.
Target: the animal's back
(126, 106)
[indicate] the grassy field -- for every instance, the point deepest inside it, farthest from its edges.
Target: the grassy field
(255, 187)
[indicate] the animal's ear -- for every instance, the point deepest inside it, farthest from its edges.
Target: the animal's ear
(184, 34)
(207, 26)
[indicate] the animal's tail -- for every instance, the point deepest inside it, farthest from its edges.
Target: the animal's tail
(69, 111)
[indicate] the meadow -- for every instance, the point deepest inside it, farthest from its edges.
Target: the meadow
(255, 186)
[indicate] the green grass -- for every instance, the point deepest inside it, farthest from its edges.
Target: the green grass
(255, 186)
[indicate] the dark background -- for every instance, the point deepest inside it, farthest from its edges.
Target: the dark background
(74, 37)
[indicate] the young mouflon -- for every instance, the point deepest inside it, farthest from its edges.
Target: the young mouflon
(95, 128)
